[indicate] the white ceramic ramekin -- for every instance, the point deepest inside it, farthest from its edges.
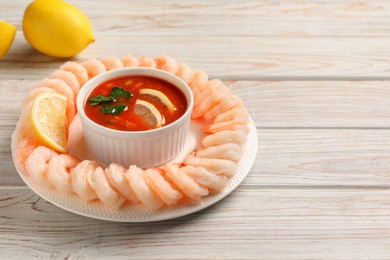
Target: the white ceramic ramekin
(142, 148)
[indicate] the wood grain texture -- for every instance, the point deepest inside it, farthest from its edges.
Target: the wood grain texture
(229, 17)
(322, 157)
(316, 104)
(249, 224)
(264, 39)
(281, 104)
(306, 131)
(227, 57)
(295, 157)
(314, 76)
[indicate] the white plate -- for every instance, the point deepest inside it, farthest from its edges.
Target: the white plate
(138, 213)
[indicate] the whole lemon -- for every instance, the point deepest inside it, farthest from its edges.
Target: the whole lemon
(7, 34)
(56, 28)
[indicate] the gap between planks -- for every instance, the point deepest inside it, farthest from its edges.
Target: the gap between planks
(268, 187)
(231, 77)
(297, 78)
(319, 128)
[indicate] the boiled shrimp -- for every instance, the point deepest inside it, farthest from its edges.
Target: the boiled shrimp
(167, 63)
(23, 126)
(205, 178)
(186, 184)
(238, 136)
(226, 104)
(112, 63)
(115, 174)
(69, 78)
(79, 180)
(62, 88)
(239, 114)
(202, 93)
(228, 151)
(199, 81)
(94, 67)
(217, 166)
(228, 125)
(212, 97)
(215, 90)
(185, 73)
(137, 181)
(104, 190)
(37, 164)
(130, 61)
(79, 71)
(146, 62)
(24, 147)
(161, 187)
(58, 172)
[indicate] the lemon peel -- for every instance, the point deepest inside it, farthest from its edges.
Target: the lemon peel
(149, 112)
(56, 28)
(7, 35)
(156, 93)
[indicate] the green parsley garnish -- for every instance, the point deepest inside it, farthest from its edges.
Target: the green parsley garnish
(117, 92)
(93, 101)
(114, 94)
(114, 110)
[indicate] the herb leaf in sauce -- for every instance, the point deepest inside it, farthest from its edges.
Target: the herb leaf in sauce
(113, 110)
(118, 91)
(114, 94)
(96, 100)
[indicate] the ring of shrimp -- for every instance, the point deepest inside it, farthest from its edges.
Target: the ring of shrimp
(206, 170)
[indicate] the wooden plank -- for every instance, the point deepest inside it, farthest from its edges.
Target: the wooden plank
(9, 175)
(227, 57)
(248, 224)
(321, 157)
(318, 104)
(243, 18)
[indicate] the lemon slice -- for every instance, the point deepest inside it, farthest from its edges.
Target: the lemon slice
(158, 94)
(7, 34)
(149, 112)
(48, 119)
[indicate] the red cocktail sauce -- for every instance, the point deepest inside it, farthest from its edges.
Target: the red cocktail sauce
(127, 120)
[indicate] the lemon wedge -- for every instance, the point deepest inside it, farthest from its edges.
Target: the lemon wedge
(48, 120)
(149, 112)
(7, 35)
(161, 96)
(56, 28)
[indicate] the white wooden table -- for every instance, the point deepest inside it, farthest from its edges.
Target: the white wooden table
(315, 76)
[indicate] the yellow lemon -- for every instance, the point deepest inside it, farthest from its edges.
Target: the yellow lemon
(7, 34)
(48, 120)
(161, 96)
(149, 112)
(56, 28)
